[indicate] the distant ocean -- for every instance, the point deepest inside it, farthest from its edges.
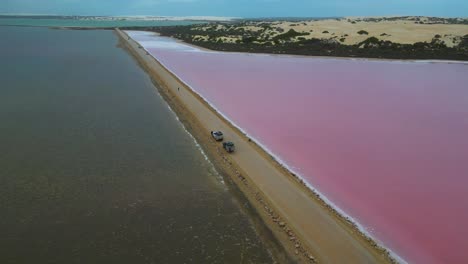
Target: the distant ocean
(79, 22)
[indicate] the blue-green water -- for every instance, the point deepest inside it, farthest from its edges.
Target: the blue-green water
(94, 166)
(55, 22)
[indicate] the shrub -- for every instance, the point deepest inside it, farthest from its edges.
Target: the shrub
(370, 42)
(248, 39)
(373, 40)
(290, 34)
(325, 32)
(363, 32)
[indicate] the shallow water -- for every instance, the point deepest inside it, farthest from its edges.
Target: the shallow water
(385, 141)
(94, 166)
(69, 22)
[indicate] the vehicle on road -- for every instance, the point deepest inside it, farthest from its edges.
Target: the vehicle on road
(229, 146)
(217, 135)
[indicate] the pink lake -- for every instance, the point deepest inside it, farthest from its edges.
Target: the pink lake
(385, 141)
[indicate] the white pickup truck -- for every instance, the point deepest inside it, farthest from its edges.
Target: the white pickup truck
(217, 135)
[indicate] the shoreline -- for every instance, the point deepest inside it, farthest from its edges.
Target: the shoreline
(351, 58)
(340, 238)
(356, 58)
(316, 56)
(406, 38)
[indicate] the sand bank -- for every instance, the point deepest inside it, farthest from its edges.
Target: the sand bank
(308, 229)
(347, 31)
(398, 31)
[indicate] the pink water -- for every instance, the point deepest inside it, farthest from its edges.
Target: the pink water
(385, 141)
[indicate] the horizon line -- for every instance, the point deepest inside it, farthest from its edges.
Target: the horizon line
(228, 17)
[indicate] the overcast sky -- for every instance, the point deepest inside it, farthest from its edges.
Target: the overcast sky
(240, 8)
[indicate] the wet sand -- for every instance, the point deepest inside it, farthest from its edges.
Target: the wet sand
(308, 229)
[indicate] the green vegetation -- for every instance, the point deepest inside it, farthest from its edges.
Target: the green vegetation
(363, 32)
(248, 39)
(290, 34)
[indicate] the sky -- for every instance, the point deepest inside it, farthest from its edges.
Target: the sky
(239, 8)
